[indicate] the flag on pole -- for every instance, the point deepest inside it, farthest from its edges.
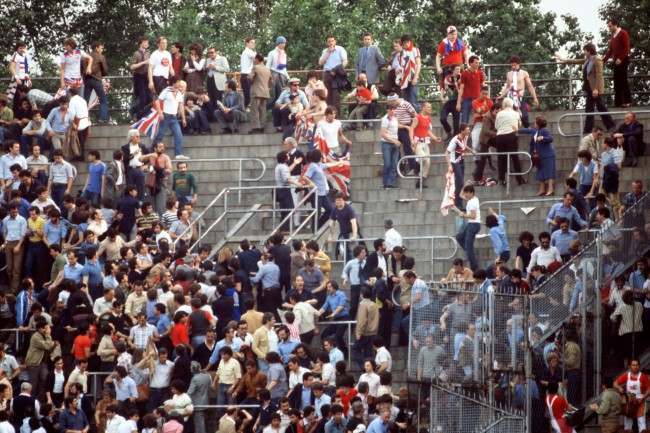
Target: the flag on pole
(148, 125)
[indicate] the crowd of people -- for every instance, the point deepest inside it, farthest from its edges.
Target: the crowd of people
(110, 301)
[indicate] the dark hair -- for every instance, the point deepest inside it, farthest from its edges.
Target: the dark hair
(377, 243)
(613, 20)
(544, 235)
(585, 154)
(472, 59)
(541, 122)
(590, 48)
(259, 57)
(526, 235)
(515, 59)
(552, 388)
(491, 221)
(468, 188)
(571, 182)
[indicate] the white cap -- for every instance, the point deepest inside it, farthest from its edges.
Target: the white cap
(451, 29)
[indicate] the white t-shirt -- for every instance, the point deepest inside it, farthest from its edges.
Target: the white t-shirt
(455, 149)
(71, 63)
(473, 204)
(127, 426)
(296, 378)
(20, 61)
(171, 98)
(330, 132)
(383, 355)
(113, 424)
(390, 125)
(246, 61)
(78, 108)
(160, 61)
(372, 379)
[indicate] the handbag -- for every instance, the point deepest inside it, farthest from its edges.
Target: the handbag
(535, 159)
(575, 417)
(143, 392)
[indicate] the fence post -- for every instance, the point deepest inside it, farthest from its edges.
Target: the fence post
(241, 162)
(349, 342)
(528, 364)
(583, 325)
(274, 209)
(432, 260)
(597, 313)
(508, 174)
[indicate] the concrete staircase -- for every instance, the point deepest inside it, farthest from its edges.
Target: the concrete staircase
(372, 203)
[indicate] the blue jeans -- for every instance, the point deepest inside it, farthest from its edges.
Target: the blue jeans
(57, 193)
(465, 238)
(93, 198)
(411, 95)
(90, 84)
(466, 110)
(222, 394)
(3, 131)
(135, 176)
(391, 156)
(197, 340)
(324, 204)
(170, 121)
(459, 179)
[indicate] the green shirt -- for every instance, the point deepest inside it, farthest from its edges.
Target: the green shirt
(6, 115)
(184, 184)
(57, 266)
(609, 407)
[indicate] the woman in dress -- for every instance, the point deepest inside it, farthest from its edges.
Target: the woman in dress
(507, 124)
(541, 147)
(194, 69)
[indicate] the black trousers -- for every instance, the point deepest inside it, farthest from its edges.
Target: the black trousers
(246, 88)
(508, 143)
(285, 201)
(404, 138)
(214, 94)
(385, 324)
(621, 86)
(333, 95)
(480, 165)
(596, 104)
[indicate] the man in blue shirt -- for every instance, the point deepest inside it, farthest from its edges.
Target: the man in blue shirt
(380, 424)
(562, 239)
(285, 345)
(338, 422)
(73, 418)
(72, 271)
(163, 322)
(352, 274)
(320, 398)
(95, 181)
(337, 305)
(92, 275)
(269, 277)
(14, 229)
(638, 278)
(496, 225)
(565, 210)
(54, 231)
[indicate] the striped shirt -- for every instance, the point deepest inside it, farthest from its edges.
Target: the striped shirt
(405, 113)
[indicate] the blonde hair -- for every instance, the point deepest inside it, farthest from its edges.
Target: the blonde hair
(224, 255)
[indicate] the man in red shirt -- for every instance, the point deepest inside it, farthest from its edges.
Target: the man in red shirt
(451, 51)
(636, 386)
(619, 52)
(480, 106)
(556, 406)
(471, 81)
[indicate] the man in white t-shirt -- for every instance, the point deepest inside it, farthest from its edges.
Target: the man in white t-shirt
(245, 68)
(472, 226)
(170, 105)
(19, 63)
(331, 129)
(383, 358)
(70, 65)
(78, 108)
(160, 67)
(455, 161)
(390, 144)
(131, 424)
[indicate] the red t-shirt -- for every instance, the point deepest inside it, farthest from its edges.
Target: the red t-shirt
(364, 93)
(481, 105)
(179, 334)
(451, 55)
(79, 346)
(472, 82)
(558, 407)
(346, 398)
(422, 130)
(645, 382)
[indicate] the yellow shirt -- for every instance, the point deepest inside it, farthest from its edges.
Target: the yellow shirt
(229, 372)
(36, 225)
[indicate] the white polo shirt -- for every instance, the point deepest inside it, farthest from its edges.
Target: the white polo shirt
(78, 108)
(170, 98)
(160, 61)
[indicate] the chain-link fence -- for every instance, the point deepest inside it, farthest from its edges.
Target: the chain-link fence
(466, 410)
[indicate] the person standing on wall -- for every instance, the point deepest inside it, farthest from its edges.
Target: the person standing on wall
(618, 50)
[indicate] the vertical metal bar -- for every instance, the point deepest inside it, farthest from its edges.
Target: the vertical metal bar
(571, 105)
(489, 79)
(528, 364)
(225, 211)
(583, 325)
(408, 351)
(513, 344)
(17, 340)
(315, 211)
(432, 260)
(421, 178)
(349, 342)
(582, 122)
(597, 313)
(241, 162)
(508, 174)
(274, 208)
(475, 357)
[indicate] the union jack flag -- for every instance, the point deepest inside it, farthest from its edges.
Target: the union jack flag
(337, 176)
(148, 125)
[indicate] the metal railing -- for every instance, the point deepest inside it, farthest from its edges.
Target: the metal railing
(348, 324)
(343, 245)
(581, 119)
(223, 196)
(421, 159)
(526, 201)
(297, 210)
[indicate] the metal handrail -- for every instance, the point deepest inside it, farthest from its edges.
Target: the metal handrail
(347, 323)
(421, 159)
(500, 203)
(297, 208)
(431, 238)
(224, 194)
(581, 118)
